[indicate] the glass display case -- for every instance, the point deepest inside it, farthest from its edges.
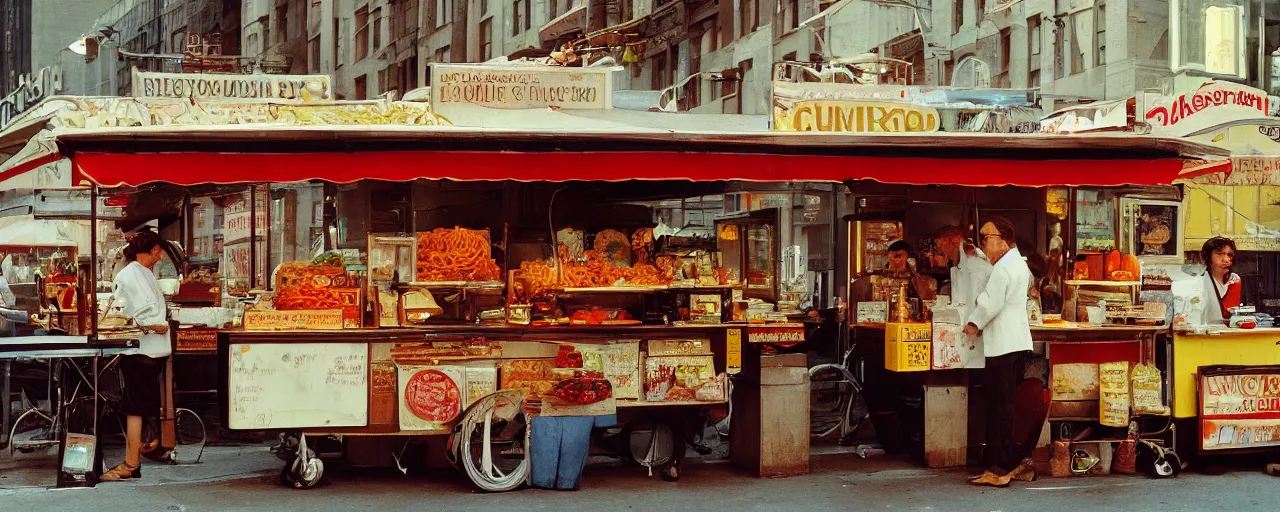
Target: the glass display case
(749, 243)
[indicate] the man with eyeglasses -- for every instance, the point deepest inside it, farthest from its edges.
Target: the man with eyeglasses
(999, 315)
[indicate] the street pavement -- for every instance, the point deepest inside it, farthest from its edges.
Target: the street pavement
(245, 478)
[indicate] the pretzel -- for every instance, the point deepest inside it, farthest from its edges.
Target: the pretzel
(457, 254)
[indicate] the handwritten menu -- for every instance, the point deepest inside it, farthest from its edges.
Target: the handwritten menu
(298, 385)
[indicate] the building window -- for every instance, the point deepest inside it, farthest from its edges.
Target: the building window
(1078, 32)
(282, 23)
(1059, 52)
(314, 52)
(1100, 38)
(627, 10)
(486, 39)
(337, 48)
(1034, 39)
(517, 17)
(957, 15)
(1006, 56)
(362, 87)
(484, 7)
(750, 17)
(404, 18)
(982, 10)
(793, 14)
(1209, 36)
(362, 33)
(659, 78)
(443, 11)
(377, 28)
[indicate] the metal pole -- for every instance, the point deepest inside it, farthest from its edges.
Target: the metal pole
(93, 262)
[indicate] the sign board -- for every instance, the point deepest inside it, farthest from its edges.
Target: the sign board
(518, 87)
(236, 219)
(213, 86)
(1239, 407)
(197, 340)
(265, 320)
(782, 333)
(32, 89)
(297, 385)
(854, 116)
(1211, 104)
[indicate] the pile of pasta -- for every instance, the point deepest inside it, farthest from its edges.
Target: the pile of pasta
(457, 254)
(307, 296)
(593, 270)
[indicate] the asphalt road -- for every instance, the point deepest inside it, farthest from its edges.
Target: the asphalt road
(838, 483)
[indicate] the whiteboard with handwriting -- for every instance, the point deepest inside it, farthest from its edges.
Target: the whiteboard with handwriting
(298, 385)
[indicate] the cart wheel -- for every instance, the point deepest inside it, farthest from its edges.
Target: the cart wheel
(1166, 466)
(302, 476)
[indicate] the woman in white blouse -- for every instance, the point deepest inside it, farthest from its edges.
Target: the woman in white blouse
(139, 291)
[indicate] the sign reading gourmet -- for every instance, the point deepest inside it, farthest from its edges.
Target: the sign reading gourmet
(289, 88)
(1212, 104)
(853, 116)
(1239, 407)
(519, 87)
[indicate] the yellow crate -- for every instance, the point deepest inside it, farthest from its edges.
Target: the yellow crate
(908, 356)
(903, 331)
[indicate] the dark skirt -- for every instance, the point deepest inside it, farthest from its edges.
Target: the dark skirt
(141, 376)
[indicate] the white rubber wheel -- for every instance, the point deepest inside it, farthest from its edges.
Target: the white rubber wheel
(303, 476)
(487, 461)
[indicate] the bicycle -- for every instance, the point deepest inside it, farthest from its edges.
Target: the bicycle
(836, 401)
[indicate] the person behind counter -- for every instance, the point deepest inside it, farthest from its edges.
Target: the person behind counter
(1219, 254)
(136, 286)
(1000, 317)
(900, 254)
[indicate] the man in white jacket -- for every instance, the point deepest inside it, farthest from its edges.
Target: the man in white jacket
(1000, 316)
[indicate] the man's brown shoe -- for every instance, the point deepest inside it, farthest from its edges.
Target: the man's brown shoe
(992, 480)
(1025, 472)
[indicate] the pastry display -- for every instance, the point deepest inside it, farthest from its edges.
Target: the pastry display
(458, 254)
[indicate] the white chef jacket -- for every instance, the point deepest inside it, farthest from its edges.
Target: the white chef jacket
(137, 287)
(1000, 311)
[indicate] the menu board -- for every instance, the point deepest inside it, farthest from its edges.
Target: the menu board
(298, 385)
(1239, 407)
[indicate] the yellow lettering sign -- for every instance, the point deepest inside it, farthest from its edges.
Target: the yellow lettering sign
(855, 117)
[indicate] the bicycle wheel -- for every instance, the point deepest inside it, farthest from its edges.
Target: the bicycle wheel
(654, 444)
(189, 436)
(32, 431)
(829, 395)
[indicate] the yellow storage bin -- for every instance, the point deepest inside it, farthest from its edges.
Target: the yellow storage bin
(908, 347)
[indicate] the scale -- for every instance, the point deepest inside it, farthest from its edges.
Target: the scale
(1243, 317)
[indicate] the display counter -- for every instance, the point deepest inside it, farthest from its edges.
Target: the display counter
(1191, 351)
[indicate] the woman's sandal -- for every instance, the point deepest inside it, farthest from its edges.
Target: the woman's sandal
(122, 472)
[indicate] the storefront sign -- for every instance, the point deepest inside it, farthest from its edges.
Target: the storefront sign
(786, 333)
(519, 88)
(1212, 104)
(32, 89)
(260, 320)
(197, 340)
(1240, 407)
(854, 117)
(287, 88)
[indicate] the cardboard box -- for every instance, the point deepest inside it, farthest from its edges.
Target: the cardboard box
(908, 356)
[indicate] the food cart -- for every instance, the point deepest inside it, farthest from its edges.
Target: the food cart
(1099, 253)
(335, 369)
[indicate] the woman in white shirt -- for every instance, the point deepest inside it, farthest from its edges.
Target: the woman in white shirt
(136, 287)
